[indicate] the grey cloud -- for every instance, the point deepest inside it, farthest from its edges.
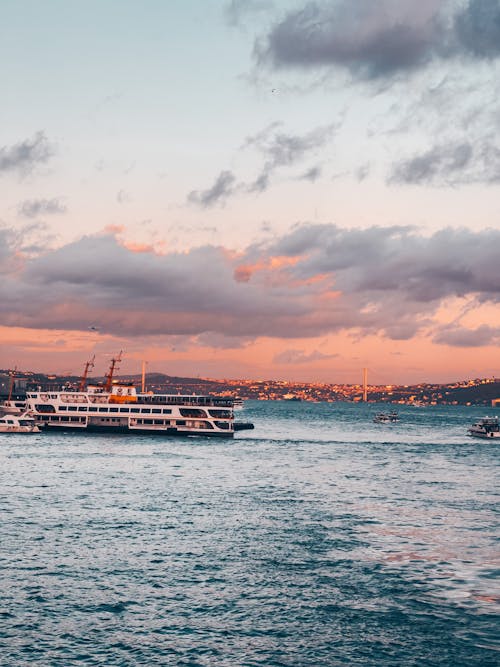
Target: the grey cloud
(388, 281)
(374, 40)
(284, 150)
(458, 336)
(31, 208)
(397, 260)
(450, 165)
(438, 163)
(26, 155)
(293, 356)
(223, 342)
(223, 188)
(280, 149)
(370, 39)
(477, 28)
(362, 172)
(311, 174)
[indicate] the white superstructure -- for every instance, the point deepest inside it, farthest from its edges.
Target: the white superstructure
(18, 424)
(486, 427)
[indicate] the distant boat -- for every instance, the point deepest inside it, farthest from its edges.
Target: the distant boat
(291, 397)
(487, 427)
(18, 424)
(386, 417)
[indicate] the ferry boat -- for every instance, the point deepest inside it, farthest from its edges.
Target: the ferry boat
(116, 406)
(486, 427)
(18, 424)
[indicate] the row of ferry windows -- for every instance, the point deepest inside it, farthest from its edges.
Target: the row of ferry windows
(91, 408)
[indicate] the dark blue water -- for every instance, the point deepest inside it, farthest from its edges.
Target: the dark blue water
(318, 539)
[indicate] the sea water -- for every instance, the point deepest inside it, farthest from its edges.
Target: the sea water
(319, 538)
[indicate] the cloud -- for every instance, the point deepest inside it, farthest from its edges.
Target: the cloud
(223, 188)
(311, 174)
(314, 280)
(374, 40)
(31, 208)
(450, 164)
(293, 356)
(238, 10)
(367, 38)
(397, 260)
(458, 336)
(26, 155)
(282, 149)
(477, 28)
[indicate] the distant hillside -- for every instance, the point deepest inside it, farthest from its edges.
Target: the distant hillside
(480, 393)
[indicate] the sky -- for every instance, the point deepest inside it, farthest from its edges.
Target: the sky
(287, 190)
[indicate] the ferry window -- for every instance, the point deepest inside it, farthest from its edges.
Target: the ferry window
(82, 408)
(113, 409)
(181, 422)
(134, 410)
(147, 410)
(158, 421)
(167, 411)
(92, 409)
(124, 409)
(155, 411)
(65, 419)
(72, 407)
(62, 407)
(103, 409)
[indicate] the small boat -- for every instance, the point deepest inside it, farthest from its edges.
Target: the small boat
(486, 427)
(18, 424)
(386, 417)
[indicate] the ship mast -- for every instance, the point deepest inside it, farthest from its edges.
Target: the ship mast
(88, 366)
(11, 383)
(112, 368)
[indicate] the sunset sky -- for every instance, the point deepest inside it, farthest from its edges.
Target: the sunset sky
(251, 188)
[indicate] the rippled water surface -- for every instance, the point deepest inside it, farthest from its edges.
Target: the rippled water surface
(319, 538)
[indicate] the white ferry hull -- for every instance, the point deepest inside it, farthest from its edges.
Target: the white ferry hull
(125, 430)
(19, 429)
